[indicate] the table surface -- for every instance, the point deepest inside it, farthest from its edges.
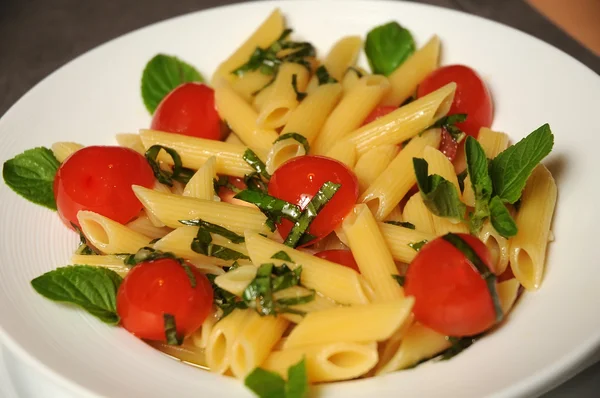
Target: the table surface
(39, 36)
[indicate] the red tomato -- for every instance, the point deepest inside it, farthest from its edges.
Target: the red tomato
(99, 179)
(159, 287)
(448, 146)
(342, 257)
(472, 96)
(300, 178)
(379, 112)
(189, 110)
(450, 295)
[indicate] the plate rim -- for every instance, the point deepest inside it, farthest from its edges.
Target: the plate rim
(541, 381)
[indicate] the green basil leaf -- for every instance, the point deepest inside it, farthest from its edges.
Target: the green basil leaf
(259, 293)
(297, 385)
(311, 211)
(477, 168)
(323, 76)
(297, 300)
(449, 124)
(258, 165)
(92, 288)
(271, 206)
(501, 219)
(387, 47)
(202, 243)
(162, 74)
(224, 300)
(459, 344)
(31, 175)
(215, 229)
(179, 173)
(171, 336)
(281, 255)
(439, 195)
(357, 71)
(416, 246)
(299, 94)
(486, 274)
(295, 136)
(285, 277)
(401, 224)
(266, 384)
(399, 278)
(511, 168)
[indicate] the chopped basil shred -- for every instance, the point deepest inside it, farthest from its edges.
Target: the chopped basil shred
(401, 224)
(311, 211)
(295, 136)
(202, 244)
(180, 173)
(477, 169)
(224, 300)
(459, 344)
(266, 384)
(299, 94)
(439, 195)
(275, 209)
(281, 255)
(84, 248)
(223, 181)
(323, 76)
(258, 165)
(215, 229)
(355, 70)
(400, 279)
(171, 335)
(485, 273)
(416, 246)
(449, 124)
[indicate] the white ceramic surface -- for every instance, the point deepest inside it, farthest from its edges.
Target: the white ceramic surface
(97, 95)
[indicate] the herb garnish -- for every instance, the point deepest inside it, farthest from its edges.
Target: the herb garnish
(258, 165)
(202, 243)
(268, 384)
(416, 246)
(224, 300)
(179, 173)
(400, 279)
(299, 94)
(323, 76)
(274, 208)
(387, 47)
(223, 181)
(281, 255)
(215, 229)
(401, 224)
(84, 248)
(295, 136)
(171, 335)
(439, 195)
(448, 123)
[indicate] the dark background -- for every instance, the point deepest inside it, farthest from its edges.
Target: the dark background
(38, 36)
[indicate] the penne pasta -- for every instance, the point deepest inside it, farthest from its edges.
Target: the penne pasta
(237, 280)
(345, 152)
(398, 239)
(528, 247)
(201, 185)
(251, 82)
(62, 150)
(219, 347)
(342, 55)
(372, 163)
(351, 78)
(416, 213)
(144, 226)
(109, 236)
(319, 303)
(394, 182)
(132, 141)
(497, 245)
(282, 151)
(508, 292)
(371, 253)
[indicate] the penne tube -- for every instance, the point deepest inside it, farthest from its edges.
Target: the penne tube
(337, 282)
(112, 262)
(326, 362)
(251, 82)
(201, 185)
(351, 112)
(267, 33)
(508, 292)
(194, 152)
(62, 150)
(260, 99)
(223, 335)
(234, 139)
(132, 141)
(528, 247)
(398, 238)
(243, 120)
(492, 142)
(282, 99)
(416, 213)
(201, 336)
(405, 122)
(351, 78)
(371, 253)
(109, 236)
(372, 163)
(170, 209)
(282, 151)
(345, 152)
(405, 79)
(144, 226)
(237, 280)
(396, 180)
(498, 246)
(342, 55)
(319, 303)
(347, 324)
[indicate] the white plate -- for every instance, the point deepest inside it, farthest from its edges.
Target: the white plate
(97, 95)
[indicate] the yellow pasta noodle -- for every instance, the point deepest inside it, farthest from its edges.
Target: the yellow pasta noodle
(194, 152)
(109, 236)
(282, 151)
(372, 163)
(394, 182)
(405, 79)
(498, 246)
(170, 209)
(343, 151)
(351, 78)
(398, 238)
(347, 324)
(132, 141)
(201, 336)
(319, 303)
(222, 337)
(405, 122)
(416, 213)
(249, 83)
(508, 292)
(337, 282)
(112, 262)
(352, 110)
(144, 226)
(528, 247)
(326, 362)
(237, 280)
(62, 150)
(371, 253)
(342, 55)
(201, 185)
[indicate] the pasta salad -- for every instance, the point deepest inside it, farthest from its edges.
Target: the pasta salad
(302, 219)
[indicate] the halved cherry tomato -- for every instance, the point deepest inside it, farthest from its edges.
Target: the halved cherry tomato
(472, 95)
(450, 295)
(99, 179)
(379, 112)
(300, 178)
(155, 288)
(339, 256)
(189, 110)
(448, 146)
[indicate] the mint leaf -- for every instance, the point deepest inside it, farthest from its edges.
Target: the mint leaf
(92, 288)
(267, 384)
(31, 175)
(161, 75)
(511, 168)
(297, 385)
(501, 219)
(439, 195)
(477, 168)
(387, 47)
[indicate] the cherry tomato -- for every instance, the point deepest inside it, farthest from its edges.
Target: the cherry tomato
(99, 179)
(472, 96)
(155, 288)
(448, 146)
(450, 295)
(300, 178)
(339, 256)
(378, 112)
(189, 110)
